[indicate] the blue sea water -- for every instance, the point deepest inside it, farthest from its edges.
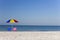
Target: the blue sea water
(30, 28)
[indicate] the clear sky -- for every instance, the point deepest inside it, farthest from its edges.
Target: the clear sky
(30, 12)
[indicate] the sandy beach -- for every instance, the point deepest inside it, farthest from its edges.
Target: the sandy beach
(47, 35)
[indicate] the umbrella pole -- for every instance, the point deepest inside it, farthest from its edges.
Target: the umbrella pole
(12, 27)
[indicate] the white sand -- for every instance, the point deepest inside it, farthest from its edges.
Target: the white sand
(51, 35)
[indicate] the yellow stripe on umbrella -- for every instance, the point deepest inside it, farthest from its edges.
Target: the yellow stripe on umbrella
(12, 21)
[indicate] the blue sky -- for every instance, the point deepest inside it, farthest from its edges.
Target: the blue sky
(30, 12)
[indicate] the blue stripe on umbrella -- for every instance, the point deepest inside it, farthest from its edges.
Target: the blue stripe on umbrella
(8, 21)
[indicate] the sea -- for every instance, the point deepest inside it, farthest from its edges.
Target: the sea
(30, 28)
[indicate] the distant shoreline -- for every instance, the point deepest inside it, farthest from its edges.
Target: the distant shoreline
(30, 25)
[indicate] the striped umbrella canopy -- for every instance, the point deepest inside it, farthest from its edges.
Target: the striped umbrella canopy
(12, 21)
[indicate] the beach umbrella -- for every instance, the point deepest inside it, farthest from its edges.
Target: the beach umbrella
(12, 21)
